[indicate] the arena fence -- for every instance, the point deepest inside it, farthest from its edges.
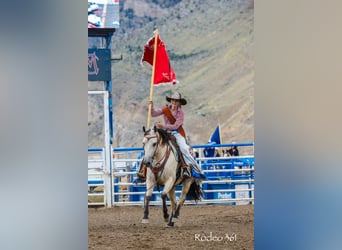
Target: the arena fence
(230, 179)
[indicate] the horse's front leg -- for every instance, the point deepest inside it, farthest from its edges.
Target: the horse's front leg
(148, 195)
(169, 189)
(185, 190)
(165, 214)
(172, 196)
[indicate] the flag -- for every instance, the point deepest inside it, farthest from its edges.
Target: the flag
(214, 139)
(163, 72)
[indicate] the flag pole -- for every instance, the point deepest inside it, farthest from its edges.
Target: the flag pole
(152, 78)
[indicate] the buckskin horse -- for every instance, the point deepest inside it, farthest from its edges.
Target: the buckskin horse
(164, 169)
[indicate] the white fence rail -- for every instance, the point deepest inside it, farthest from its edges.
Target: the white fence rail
(230, 180)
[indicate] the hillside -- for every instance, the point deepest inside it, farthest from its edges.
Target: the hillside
(210, 44)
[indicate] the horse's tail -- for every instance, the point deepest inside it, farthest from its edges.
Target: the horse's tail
(195, 191)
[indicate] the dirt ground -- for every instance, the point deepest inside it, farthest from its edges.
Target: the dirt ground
(199, 227)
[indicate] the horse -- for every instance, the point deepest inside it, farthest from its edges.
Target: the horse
(163, 169)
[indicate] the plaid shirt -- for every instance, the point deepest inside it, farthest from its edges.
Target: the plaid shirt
(178, 115)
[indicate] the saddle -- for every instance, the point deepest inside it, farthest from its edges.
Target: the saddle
(178, 155)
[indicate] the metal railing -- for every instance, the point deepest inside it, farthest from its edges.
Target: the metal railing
(230, 180)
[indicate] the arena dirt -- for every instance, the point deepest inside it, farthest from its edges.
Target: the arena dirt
(199, 227)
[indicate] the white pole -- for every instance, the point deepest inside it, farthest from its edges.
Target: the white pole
(107, 171)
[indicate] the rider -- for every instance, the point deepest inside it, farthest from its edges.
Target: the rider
(173, 120)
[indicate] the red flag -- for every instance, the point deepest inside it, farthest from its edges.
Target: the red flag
(163, 72)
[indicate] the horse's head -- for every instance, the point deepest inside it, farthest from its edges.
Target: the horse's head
(150, 145)
(152, 139)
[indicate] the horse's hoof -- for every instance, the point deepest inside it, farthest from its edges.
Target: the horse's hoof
(144, 221)
(171, 224)
(174, 219)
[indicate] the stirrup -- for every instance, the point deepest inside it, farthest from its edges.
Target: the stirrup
(141, 176)
(186, 173)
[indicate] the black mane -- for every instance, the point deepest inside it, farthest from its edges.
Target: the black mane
(164, 135)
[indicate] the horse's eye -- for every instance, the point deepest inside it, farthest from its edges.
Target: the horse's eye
(154, 144)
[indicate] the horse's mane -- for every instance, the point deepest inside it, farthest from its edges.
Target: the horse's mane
(164, 135)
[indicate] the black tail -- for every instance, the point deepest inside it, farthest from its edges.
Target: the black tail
(195, 191)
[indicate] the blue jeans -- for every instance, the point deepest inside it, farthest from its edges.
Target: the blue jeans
(184, 147)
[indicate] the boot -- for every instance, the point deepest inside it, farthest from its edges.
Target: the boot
(141, 174)
(198, 173)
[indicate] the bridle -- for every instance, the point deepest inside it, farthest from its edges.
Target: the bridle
(148, 137)
(158, 166)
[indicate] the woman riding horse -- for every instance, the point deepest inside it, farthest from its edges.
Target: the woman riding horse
(161, 159)
(173, 120)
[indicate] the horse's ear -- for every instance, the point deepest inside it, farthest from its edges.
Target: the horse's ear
(155, 129)
(144, 129)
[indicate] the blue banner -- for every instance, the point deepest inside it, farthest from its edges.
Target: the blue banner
(99, 65)
(214, 139)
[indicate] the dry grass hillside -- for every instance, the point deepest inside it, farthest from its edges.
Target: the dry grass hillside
(210, 45)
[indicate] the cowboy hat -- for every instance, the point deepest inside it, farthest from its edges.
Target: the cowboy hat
(93, 7)
(176, 96)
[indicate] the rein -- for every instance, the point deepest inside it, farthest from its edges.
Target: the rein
(148, 137)
(159, 166)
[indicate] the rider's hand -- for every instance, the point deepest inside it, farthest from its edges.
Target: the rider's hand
(158, 124)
